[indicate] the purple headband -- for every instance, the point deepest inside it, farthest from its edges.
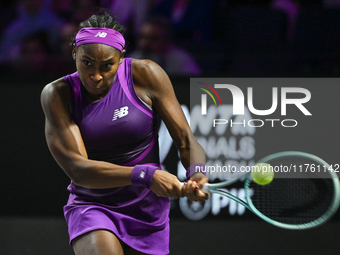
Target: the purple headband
(101, 35)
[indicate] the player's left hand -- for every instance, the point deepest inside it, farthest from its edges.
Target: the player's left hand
(192, 188)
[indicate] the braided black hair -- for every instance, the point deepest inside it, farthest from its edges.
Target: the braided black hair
(102, 19)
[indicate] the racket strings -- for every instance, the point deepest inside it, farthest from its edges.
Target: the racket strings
(294, 200)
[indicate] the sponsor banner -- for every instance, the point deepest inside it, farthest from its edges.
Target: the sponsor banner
(240, 120)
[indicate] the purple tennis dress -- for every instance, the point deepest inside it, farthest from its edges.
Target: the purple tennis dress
(123, 130)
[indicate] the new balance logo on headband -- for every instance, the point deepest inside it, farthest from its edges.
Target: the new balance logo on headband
(101, 34)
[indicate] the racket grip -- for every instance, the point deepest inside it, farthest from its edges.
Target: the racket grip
(205, 188)
(182, 183)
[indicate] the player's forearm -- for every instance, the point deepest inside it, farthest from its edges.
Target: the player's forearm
(98, 174)
(192, 153)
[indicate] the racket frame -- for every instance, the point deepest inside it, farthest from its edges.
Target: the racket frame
(217, 188)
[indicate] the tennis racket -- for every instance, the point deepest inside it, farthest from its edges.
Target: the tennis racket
(304, 193)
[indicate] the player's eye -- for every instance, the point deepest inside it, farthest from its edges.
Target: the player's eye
(108, 65)
(87, 63)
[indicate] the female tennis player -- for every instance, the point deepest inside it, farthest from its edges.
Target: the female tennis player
(101, 128)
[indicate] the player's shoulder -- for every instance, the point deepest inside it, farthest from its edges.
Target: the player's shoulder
(143, 66)
(55, 86)
(55, 89)
(146, 72)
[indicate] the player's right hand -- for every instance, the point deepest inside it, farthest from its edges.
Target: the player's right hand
(165, 184)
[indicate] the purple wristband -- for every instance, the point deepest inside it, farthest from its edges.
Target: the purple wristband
(142, 175)
(195, 168)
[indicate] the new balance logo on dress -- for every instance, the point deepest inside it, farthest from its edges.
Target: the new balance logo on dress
(101, 34)
(119, 113)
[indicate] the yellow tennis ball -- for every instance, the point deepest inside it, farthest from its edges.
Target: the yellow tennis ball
(262, 173)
